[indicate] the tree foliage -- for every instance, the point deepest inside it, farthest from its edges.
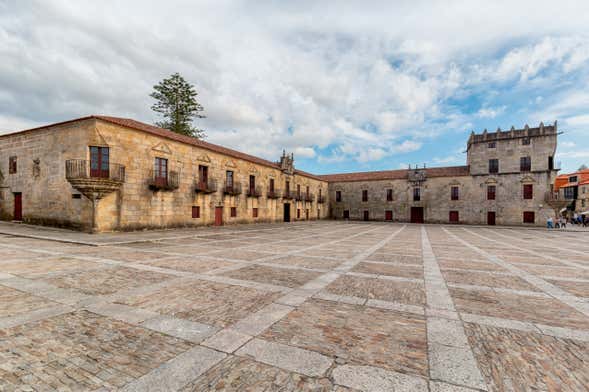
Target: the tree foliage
(176, 103)
(583, 167)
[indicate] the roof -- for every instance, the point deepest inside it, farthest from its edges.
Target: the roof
(165, 133)
(562, 181)
(451, 171)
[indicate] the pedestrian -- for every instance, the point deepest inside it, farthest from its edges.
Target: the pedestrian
(549, 222)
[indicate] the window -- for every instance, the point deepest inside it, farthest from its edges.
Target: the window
(76, 196)
(454, 193)
(307, 192)
(287, 188)
(491, 191)
(203, 174)
(195, 212)
(453, 217)
(493, 165)
(11, 165)
(550, 163)
(255, 212)
(492, 145)
(307, 214)
(99, 157)
(525, 164)
(569, 193)
(233, 211)
(338, 195)
(365, 195)
(526, 141)
(229, 178)
(573, 179)
(389, 195)
(528, 191)
(529, 217)
(346, 214)
(160, 170)
(320, 194)
(252, 184)
(388, 215)
(416, 194)
(271, 185)
(299, 191)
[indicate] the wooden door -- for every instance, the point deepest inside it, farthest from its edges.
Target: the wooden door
(365, 215)
(18, 206)
(491, 218)
(453, 217)
(416, 214)
(99, 162)
(388, 215)
(218, 216)
(286, 212)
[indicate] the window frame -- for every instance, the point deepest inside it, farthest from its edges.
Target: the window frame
(454, 193)
(233, 212)
(390, 194)
(525, 164)
(338, 196)
(364, 195)
(195, 212)
(491, 192)
(416, 193)
(12, 164)
(528, 191)
(493, 166)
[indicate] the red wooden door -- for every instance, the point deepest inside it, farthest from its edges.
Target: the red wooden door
(491, 218)
(99, 159)
(453, 217)
(388, 215)
(218, 216)
(18, 206)
(416, 214)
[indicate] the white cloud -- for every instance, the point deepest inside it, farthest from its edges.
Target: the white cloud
(305, 75)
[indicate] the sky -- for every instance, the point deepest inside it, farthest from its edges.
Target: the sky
(344, 85)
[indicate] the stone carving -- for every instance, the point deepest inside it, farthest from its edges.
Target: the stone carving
(416, 176)
(287, 163)
(162, 147)
(203, 158)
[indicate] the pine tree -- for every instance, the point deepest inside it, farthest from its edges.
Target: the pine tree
(176, 103)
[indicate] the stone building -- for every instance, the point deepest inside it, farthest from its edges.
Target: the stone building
(104, 173)
(507, 180)
(574, 188)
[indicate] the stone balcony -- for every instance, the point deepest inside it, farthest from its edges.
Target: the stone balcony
(206, 186)
(94, 182)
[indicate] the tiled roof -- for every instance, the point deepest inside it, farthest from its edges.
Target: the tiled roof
(562, 181)
(452, 171)
(140, 126)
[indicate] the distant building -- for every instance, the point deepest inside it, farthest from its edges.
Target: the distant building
(574, 188)
(507, 181)
(102, 173)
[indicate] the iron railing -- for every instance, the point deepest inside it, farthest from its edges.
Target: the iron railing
(167, 182)
(208, 186)
(288, 195)
(77, 169)
(253, 192)
(274, 194)
(232, 189)
(320, 199)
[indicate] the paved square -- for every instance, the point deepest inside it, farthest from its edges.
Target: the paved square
(314, 306)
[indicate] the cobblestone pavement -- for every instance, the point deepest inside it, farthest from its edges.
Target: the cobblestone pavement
(318, 306)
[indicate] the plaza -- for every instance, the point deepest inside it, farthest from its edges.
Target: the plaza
(305, 306)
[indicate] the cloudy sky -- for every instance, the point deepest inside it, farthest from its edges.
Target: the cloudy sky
(345, 85)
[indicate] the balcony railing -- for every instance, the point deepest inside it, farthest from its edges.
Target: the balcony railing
(232, 189)
(274, 194)
(299, 196)
(208, 186)
(309, 197)
(320, 199)
(167, 182)
(555, 196)
(253, 192)
(78, 169)
(288, 195)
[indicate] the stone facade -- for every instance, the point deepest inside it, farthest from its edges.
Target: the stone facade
(367, 195)
(49, 172)
(49, 198)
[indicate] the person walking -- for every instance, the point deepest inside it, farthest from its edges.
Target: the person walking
(549, 223)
